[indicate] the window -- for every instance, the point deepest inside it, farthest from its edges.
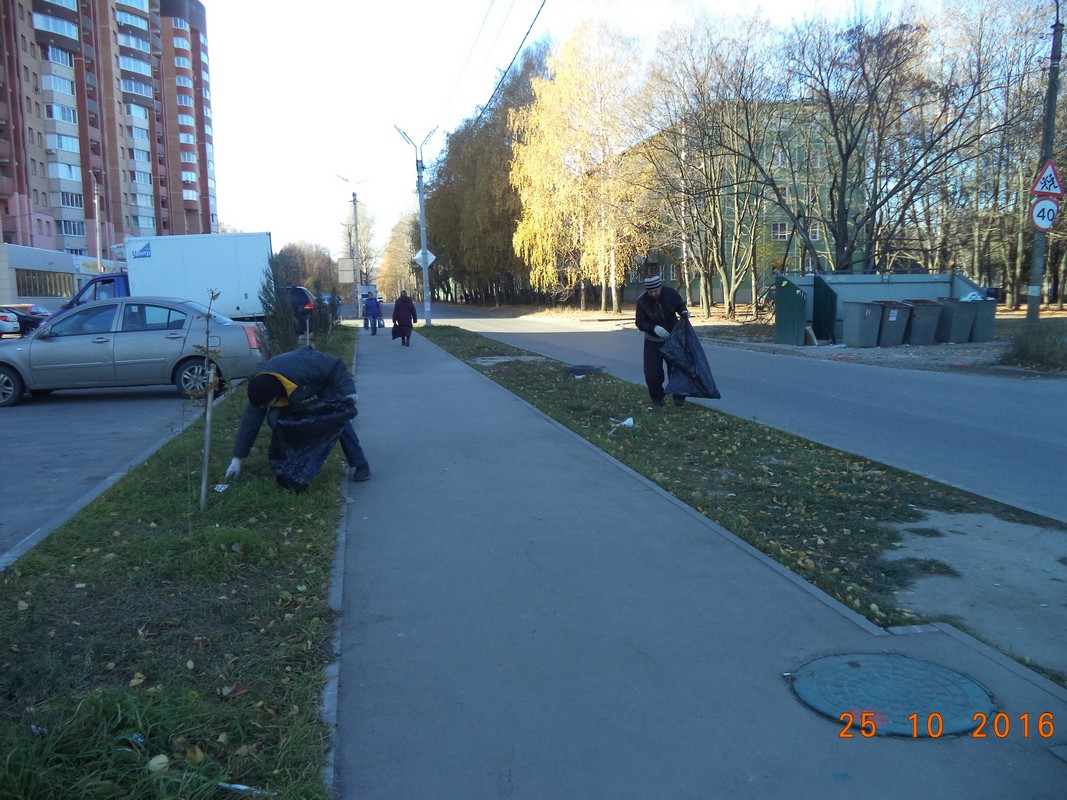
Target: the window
(126, 18)
(208, 130)
(71, 200)
(188, 158)
(86, 321)
(185, 100)
(135, 65)
(43, 22)
(144, 317)
(39, 283)
(186, 138)
(71, 4)
(141, 5)
(140, 155)
(140, 176)
(207, 111)
(207, 94)
(182, 62)
(189, 177)
(190, 194)
(144, 201)
(139, 133)
(186, 119)
(180, 24)
(57, 84)
(182, 43)
(69, 144)
(136, 87)
(779, 231)
(64, 172)
(184, 81)
(134, 43)
(780, 157)
(61, 113)
(145, 221)
(57, 56)
(136, 111)
(815, 231)
(73, 227)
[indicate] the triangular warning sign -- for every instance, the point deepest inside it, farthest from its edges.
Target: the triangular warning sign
(1048, 182)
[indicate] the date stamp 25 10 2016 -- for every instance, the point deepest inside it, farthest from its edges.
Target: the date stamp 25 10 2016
(987, 726)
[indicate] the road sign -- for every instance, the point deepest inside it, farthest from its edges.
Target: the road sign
(1043, 213)
(424, 258)
(1048, 182)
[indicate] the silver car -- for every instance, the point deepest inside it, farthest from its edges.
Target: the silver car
(128, 341)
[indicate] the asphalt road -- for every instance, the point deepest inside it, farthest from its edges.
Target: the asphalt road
(62, 450)
(1004, 438)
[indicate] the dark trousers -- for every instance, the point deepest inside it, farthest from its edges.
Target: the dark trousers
(653, 365)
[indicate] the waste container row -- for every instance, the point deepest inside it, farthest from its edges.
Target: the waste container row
(891, 323)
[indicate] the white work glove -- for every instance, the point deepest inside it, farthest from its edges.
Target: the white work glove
(234, 470)
(662, 333)
(354, 397)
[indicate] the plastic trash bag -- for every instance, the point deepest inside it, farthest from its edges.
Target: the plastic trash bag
(303, 437)
(690, 374)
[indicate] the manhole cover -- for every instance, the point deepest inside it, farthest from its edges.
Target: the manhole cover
(892, 695)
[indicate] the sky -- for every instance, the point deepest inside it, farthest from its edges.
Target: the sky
(306, 105)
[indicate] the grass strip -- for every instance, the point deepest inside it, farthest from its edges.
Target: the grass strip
(151, 650)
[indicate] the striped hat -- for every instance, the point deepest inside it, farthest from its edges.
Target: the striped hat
(653, 282)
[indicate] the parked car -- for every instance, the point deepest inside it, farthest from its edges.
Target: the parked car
(27, 322)
(30, 308)
(9, 323)
(302, 302)
(128, 341)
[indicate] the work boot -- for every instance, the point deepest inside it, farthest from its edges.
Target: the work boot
(359, 474)
(657, 401)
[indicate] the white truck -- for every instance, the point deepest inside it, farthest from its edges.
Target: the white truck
(191, 267)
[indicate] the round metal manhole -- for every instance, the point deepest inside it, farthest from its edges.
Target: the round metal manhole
(885, 694)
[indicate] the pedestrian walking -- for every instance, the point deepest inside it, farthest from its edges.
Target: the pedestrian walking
(292, 379)
(658, 310)
(372, 312)
(404, 318)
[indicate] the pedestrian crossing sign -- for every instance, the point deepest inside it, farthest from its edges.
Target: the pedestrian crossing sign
(1048, 183)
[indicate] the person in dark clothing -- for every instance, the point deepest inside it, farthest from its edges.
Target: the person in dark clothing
(404, 317)
(658, 310)
(291, 379)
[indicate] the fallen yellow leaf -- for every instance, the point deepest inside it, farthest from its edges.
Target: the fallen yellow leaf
(137, 679)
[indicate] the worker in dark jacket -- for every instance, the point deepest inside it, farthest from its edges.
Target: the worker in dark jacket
(289, 380)
(658, 310)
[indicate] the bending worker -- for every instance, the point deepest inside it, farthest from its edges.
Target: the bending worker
(658, 310)
(291, 379)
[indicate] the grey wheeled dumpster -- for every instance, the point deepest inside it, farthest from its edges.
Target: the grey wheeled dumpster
(894, 322)
(957, 319)
(861, 324)
(922, 322)
(985, 314)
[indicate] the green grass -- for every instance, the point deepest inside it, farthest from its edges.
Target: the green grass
(145, 632)
(824, 514)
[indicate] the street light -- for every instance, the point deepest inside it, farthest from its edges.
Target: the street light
(96, 211)
(425, 257)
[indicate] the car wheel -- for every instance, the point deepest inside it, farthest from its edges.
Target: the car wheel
(191, 378)
(11, 387)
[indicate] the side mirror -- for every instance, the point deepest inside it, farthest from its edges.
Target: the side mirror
(43, 333)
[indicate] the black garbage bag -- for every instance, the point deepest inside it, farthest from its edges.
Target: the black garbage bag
(303, 437)
(690, 375)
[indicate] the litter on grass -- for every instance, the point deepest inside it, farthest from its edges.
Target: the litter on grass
(626, 423)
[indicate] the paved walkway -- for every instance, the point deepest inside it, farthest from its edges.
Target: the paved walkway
(524, 617)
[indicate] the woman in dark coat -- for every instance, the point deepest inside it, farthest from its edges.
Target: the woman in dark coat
(404, 317)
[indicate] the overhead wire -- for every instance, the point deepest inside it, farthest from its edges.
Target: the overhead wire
(470, 53)
(518, 50)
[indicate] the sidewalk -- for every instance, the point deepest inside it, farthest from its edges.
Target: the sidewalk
(525, 617)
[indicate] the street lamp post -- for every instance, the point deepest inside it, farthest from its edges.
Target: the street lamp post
(96, 211)
(1048, 132)
(424, 254)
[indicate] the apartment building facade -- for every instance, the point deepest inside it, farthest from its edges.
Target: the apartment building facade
(105, 125)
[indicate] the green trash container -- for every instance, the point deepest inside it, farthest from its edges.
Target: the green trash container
(861, 325)
(985, 315)
(922, 322)
(957, 319)
(894, 322)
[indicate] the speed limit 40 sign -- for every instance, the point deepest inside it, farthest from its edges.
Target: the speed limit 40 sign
(1043, 213)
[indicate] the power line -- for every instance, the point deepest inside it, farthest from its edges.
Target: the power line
(518, 50)
(463, 69)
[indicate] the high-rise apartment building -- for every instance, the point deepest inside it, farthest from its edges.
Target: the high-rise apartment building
(105, 123)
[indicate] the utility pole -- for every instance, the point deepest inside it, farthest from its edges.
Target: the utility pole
(425, 257)
(96, 211)
(1048, 132)
(357, 271)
